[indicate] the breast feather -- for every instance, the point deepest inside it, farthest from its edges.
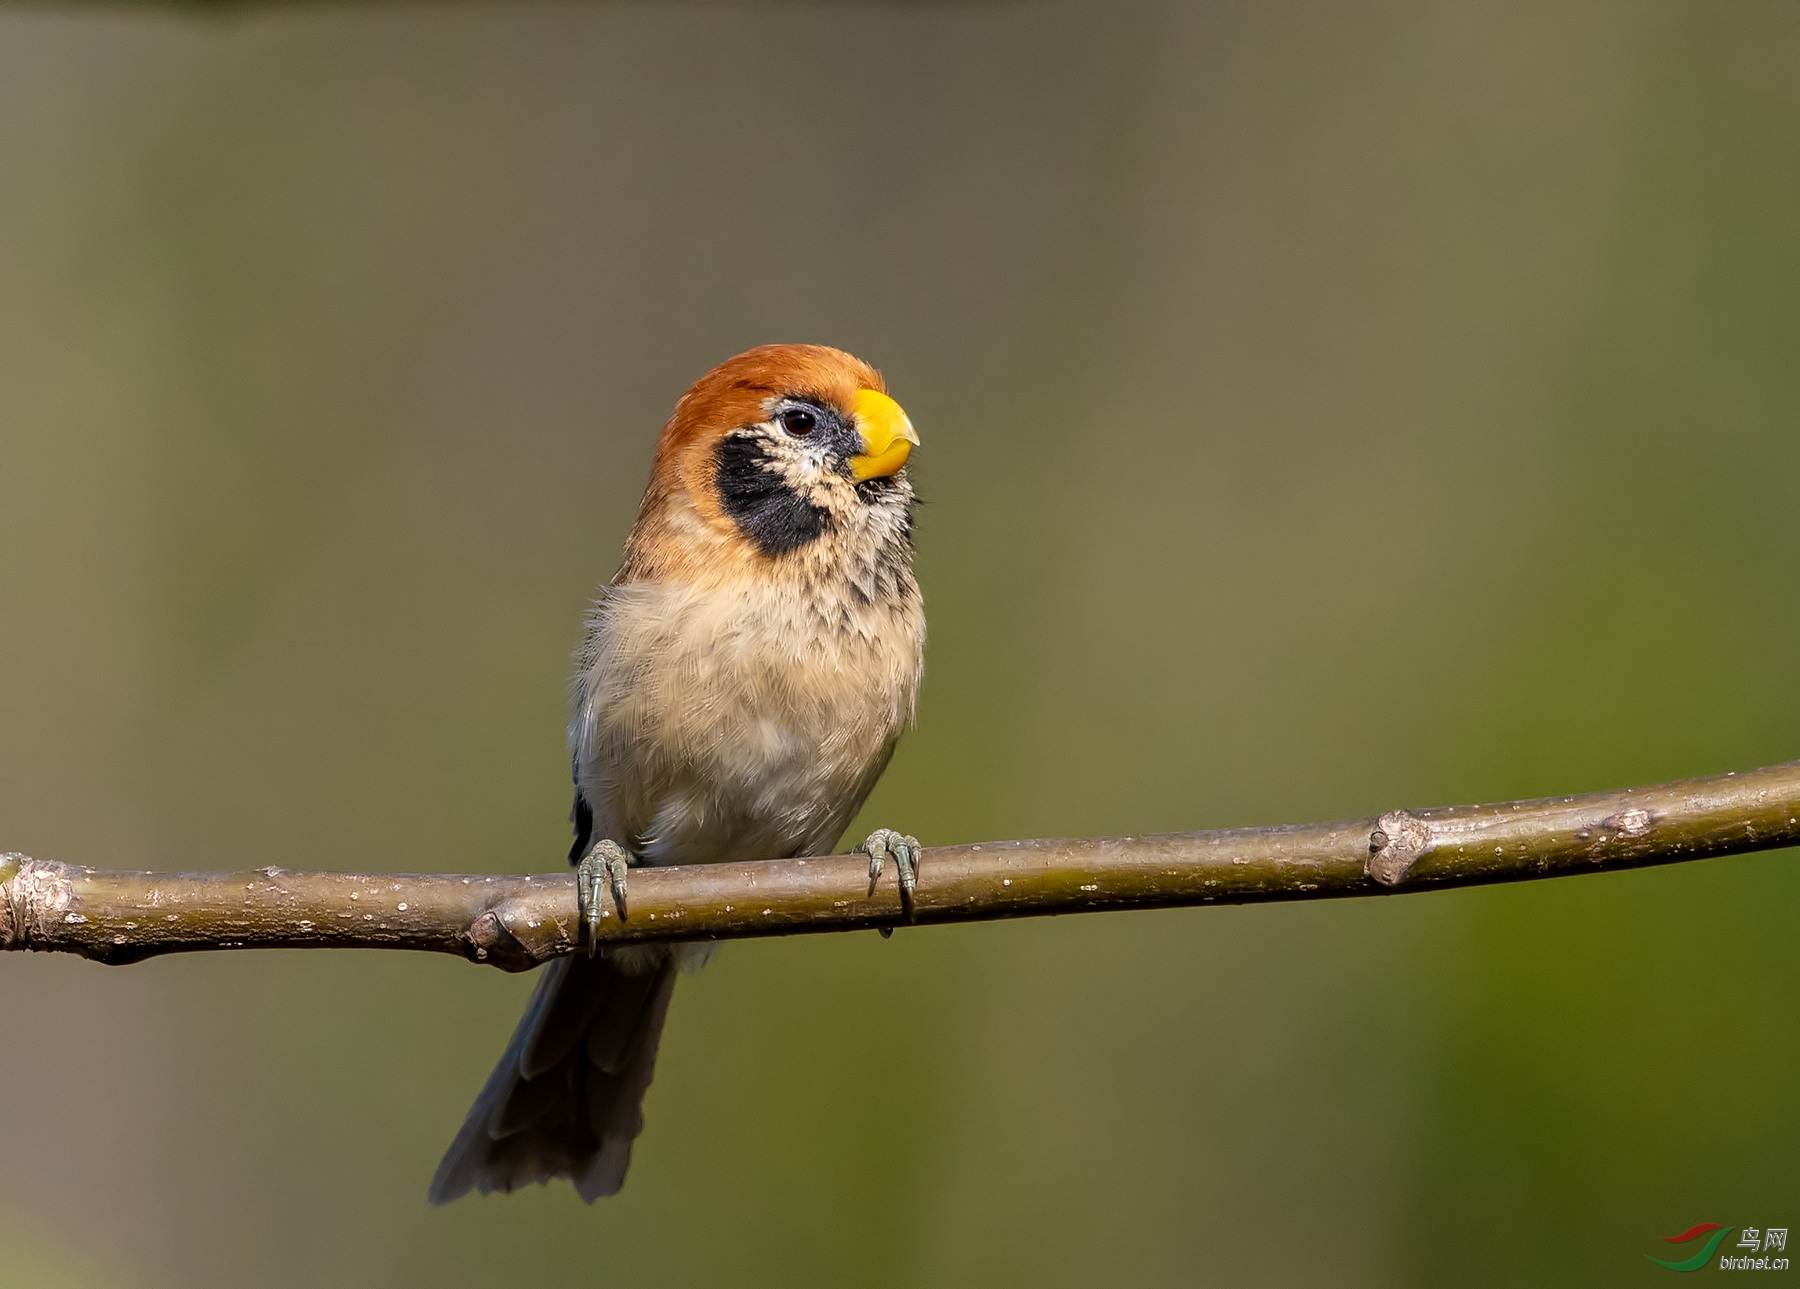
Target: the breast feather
(738, 721)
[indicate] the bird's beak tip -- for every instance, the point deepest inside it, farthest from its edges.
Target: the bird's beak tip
(887, 433)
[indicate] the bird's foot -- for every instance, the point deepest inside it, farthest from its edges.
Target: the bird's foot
(905, 850)
(602, 866)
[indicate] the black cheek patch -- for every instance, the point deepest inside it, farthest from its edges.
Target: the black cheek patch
(766, 510)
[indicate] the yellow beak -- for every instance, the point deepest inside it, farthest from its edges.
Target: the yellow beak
(888, 437)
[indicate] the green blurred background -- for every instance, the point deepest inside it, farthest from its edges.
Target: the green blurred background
(1326, 408)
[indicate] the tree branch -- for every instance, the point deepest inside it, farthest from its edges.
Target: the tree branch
(518, 922)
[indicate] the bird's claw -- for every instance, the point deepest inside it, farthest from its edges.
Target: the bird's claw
(905, 850)
(602, 866)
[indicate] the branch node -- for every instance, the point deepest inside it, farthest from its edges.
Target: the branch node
(1399, 839)
(36, 890)
(511, 937)
(486, 940)
(1629, 823)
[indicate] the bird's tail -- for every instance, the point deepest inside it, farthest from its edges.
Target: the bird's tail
(566, 1099)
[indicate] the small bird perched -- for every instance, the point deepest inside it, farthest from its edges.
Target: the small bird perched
(744, 679)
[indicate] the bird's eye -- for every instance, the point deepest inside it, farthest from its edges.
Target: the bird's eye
(798, 421)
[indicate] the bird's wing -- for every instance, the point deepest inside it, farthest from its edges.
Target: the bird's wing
(598, 809)
(581, 816)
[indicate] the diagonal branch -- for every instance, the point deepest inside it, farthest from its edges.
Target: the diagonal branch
(518, 922)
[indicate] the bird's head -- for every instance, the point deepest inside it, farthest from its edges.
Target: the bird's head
(787, 456)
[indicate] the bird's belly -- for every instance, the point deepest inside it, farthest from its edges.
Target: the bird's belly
(772, 789)
(748, 804)
(714, 732)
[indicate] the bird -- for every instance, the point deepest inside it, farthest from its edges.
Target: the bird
(741, 685)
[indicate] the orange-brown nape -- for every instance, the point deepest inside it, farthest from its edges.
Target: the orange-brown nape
(765, 454)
